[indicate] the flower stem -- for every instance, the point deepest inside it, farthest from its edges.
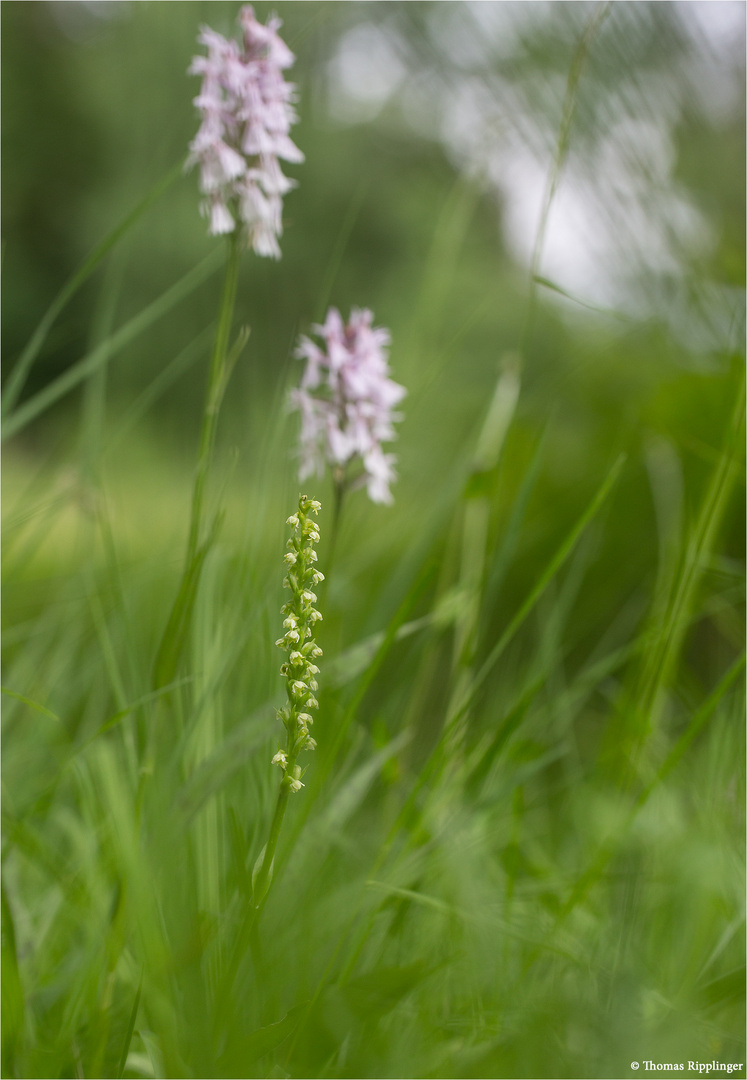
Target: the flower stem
(215, 389)
(340, 487)
(221, 363)
(261, 883)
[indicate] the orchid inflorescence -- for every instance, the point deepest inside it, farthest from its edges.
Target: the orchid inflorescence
(300, 620)
(346, 400)
(247, 111)
(346, 397)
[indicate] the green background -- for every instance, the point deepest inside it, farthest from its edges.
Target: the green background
(552, 884)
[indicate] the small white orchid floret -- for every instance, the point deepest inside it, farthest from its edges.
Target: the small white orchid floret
(299, 687)
(295, 785)
(291, 622)
(305, 718)
(296, 658)
(290, 558)
(293, 636)
(292, 521)
(281, 759)
(308, 596)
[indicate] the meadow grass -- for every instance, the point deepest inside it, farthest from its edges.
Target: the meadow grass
(517, 859)
(519, 850)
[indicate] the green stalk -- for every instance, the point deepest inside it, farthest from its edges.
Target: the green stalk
(247, 935)
(261, 882)
(561, 153)
(219, 371)
(221, 365)
(340, 487)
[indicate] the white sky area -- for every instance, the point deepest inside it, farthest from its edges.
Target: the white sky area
(618, 211)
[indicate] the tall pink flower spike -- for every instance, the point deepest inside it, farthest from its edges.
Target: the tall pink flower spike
(247, 112)
(346, 399)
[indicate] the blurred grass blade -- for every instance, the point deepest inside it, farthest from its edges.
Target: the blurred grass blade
(611, 846)
(246, 1049)
(452, 912)
(696, 725)
(130, 1029)
(505, 551)
(79, 371)
(662, 657)
(560, 557)
(19, 374)
(418, 586)
(547, 284)
(478, 499)
(487, 755)
(118, 717)
(338, 251)
(13, 1006)
(181, 363)
(377, 992)
(177, 628)
(354, 660)
(352, 792)
(599, 14)
(93, 410)
(31, 704)
(229, 757)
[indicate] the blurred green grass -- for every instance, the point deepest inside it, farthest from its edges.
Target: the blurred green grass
(544, 881)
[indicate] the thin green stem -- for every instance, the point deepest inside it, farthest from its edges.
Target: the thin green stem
(339, 488)
(261, 881)
(215, 389)
(248, 934)
(221, 364)
(561, 153)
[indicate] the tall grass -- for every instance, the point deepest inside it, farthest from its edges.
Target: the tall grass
(519, 848)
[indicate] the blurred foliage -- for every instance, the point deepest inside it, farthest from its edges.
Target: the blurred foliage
(544, 880)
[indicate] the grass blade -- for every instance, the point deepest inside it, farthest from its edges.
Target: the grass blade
(31, 704)
(557, 561)
(130, 1029)
(107, 349)
(24, 363)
